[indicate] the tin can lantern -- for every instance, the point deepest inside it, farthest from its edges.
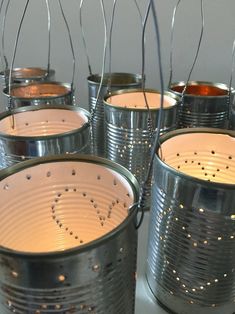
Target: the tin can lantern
(204, 104)
(41, 131)
(114, 81)
(39, 93)
(127, 134)
(191, 246)
(66, 245)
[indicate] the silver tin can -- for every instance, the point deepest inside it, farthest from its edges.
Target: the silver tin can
(191, 246)
(127, 134)
(205, 104)
(41, 131)
(65, 257)
(117, 81)
(39, 93)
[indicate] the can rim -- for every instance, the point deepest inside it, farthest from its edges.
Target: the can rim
(22, 69)
(96, 78)
(221, 86)
(44, 107)
(129, 177)
(170, 94)
(67, 86)
(178, 132)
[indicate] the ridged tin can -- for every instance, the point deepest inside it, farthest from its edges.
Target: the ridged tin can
(117, 81)
(205, 104)
(191, 246)
(63, 256)
(127, 134)
(37, 131)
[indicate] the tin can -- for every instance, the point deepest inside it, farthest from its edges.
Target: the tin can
(116, 81)
(66, 258)
(37, 131)
(205, 104)
(127, 134)
(191, 248)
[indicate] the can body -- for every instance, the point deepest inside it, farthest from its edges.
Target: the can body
(191, 250)
(38, 290)
(117, 81)
(204, 104)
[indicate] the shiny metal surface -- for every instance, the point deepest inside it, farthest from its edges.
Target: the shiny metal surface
(41, 131)
(90, 277)
(191, 247)
(116, 81)
(205, 104)
(40, 93)
(127, 136)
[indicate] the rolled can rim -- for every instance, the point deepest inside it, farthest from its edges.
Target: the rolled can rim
(21, 69)
(45, 98)
(134, 90)
(198, 83)
(95, 78)
(44, 107)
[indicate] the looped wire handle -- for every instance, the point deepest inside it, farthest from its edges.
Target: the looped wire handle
(139, 209)
(49, 37)
(70, 41)
(3, 41)
(197, 51)
(231, 81)
(144, 24)
(13, 60)
(160, 116)
(1, 50)
(93, 111)
(83, 37)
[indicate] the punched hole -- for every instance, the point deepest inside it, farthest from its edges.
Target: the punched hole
(61, 278)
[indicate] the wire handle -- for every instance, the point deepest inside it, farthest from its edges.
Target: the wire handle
(93, 110)
(231, 81)
(144, 24)
(1, 51)
(70, 41)
(197, 51)
(160, 116)
(3, 41)
(84, 38)
(13, 60)
(49, 37)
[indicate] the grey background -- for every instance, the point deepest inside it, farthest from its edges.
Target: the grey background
(214, 62)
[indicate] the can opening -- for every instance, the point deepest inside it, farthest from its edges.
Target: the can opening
(43, 122)
(60, 205)
(35, 90)
(207, 156)
(136, 100)
(200, 90)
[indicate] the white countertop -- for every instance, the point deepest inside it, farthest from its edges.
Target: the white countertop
(145, 301)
